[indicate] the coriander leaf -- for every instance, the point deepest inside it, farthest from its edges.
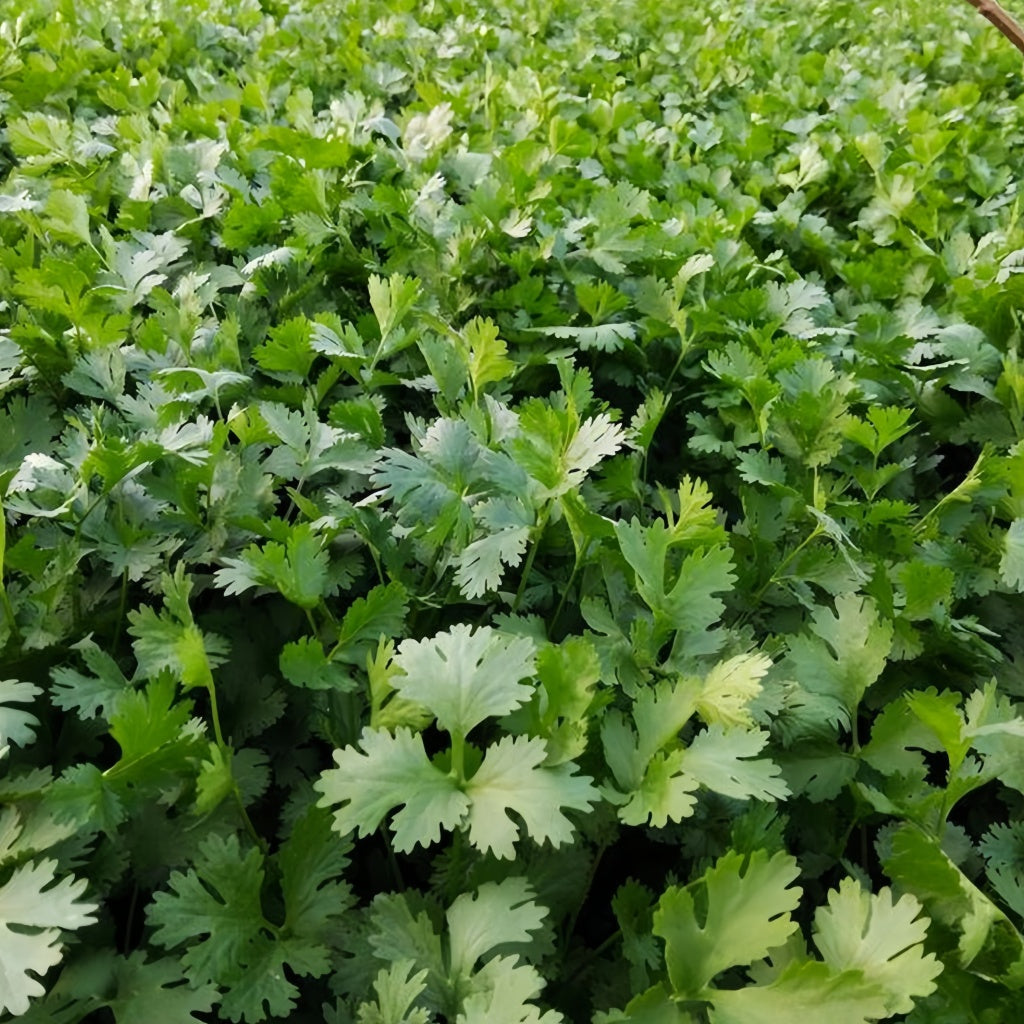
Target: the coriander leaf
(89, 695)
(686, 605)
(215, 780)
(985, 938)
(646, 420)
(368, 619)
(559, 711)
(664, 794)
(659, 713)
(511, 778)
(1011, 565)
(436, 489)
(312, 861)
(401, 932)
(157, 991)
(37, 909)
(137, 267)
(298, 568)
(391, 300)
(464, 676)
(655, 1006)
(806, 990)
(499, 992)
(557, 450)
(884, 426)
(84, 799)
(214, 909)
(396, 989)
(748, 901)
(725, 761)
(600, 337)
(845, 652)
(262, 988)
(488, 354)
(153, 731)
(1003, 846)
(809, 418)
(392, 771)
(172, 640)
(497, 914)
(16, 725)
(389, 710)
(481, 564)
(27, 425)
(730, 687)
(304, 662)
(927, 589)
(860, 931)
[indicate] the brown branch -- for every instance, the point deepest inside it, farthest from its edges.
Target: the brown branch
(1002, 21)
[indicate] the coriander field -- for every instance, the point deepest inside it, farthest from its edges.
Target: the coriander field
(511, 512)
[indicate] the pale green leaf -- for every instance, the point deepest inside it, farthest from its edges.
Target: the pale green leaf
(807, 991)
(465, 676)
(726, 761)
(512, 778)
(861, 931)
(730, 687)
(33, 910)
(1011, 565)
(844, 653)
(748, 903)
(392, 771)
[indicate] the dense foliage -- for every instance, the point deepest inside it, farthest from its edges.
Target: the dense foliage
(511, 512)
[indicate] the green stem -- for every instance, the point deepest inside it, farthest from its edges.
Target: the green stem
(122, 605)
(260, 842)
(592, 954)
(8, 609)
(310, 620)
(393, 866)
(963, 492)
(538, 532)
(226, 753)
(215, 715)
(591, 874)
(132, 903)
(777, 575)
(375, 555)
(430, 577)
(565, 591)
(458, 757)
(4, 596)
(115, 771)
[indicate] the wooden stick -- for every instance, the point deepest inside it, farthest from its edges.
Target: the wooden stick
(1002, 21)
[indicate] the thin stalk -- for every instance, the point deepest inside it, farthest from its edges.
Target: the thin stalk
(458, 757)
(310, 620)
(538, 532)
(5, 598)
(430, 577)
(226, 752)
(122, 605)
(393, 866)
(592, 954)
(215, 714)
(784, 564)
(260, 842)
(963, 492)
(591, 875)
(132, 903)
(565, 594)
